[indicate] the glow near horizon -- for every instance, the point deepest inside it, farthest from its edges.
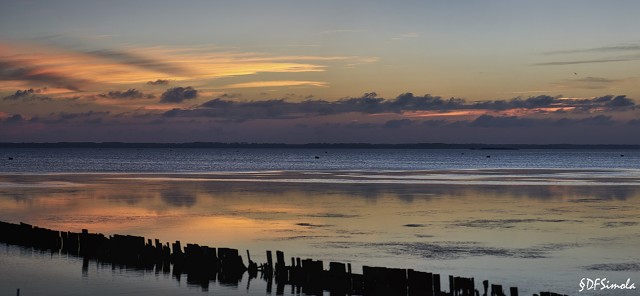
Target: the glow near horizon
(300, 49)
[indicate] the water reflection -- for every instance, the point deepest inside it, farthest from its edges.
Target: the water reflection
(457, 227)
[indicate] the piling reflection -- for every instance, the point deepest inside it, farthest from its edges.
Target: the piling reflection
(456, 227)
(203, 264)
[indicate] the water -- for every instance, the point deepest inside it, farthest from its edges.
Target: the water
(216, 160)
(537, 219)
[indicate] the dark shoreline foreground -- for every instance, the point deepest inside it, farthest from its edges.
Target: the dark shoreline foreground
(202, 264)
(236, 145)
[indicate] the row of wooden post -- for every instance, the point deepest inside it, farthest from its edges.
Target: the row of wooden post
(203, 264)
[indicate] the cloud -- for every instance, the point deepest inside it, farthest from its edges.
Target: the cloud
(502, 121)
(159, 82)
(371, 103)
(633, 47)
(361, 125)
(634, 122)
(178, 94)
(435, 123)
(89, 117)
(16, 118)
(623, 47)
(599, 120)
(489, 121)
(593, 61)
(37, 65)
(590, 82)
(542, 102)
(27, 95)
(410, 35)
(129, 94)
(339, 31)
(617, 101)
(406, 35)
(398, 123)
(23, 71)
(278, 83)
(141, 62)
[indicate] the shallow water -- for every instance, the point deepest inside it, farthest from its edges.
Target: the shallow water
(535, 229)
(242, 160)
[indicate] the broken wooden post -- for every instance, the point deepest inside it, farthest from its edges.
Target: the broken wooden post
(485, 284)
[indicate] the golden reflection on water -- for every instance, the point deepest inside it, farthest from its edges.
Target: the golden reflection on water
(423, 226)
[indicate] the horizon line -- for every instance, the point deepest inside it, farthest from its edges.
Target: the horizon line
(198, 144)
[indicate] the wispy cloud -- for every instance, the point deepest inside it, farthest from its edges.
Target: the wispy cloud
(278, 83)
(606, 50)
(589, 82)
(613, 48)
(406, 35)
(172, 68)
(339, 31)
(38, 66)
(25, 70)
(592, 61)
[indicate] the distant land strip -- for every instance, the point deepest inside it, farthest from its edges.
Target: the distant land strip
(236, 145)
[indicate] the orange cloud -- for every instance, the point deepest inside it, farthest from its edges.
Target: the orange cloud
(443, 113)
(39, 66)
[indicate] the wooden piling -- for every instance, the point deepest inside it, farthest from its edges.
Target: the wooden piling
(419, 283)
(437, 291)
(269, 267)
(513, 291)
(485, 284)
(496, 290)
(203, 264)
(452, 286)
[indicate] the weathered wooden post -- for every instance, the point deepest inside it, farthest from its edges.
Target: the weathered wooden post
(485, 284)
(282, 275)
(496, 290)
(513, 291)
(437, 291)
(452, 286)
(420, 283)
(269, 260)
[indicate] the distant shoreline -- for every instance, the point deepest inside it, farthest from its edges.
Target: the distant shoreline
(236, 145)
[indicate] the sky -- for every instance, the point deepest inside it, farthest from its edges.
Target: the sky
(495, 71)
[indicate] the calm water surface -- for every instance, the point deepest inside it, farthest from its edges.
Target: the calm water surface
(215, 160)
(539, 220)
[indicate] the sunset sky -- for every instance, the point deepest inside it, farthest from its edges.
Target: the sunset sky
(496, 71)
